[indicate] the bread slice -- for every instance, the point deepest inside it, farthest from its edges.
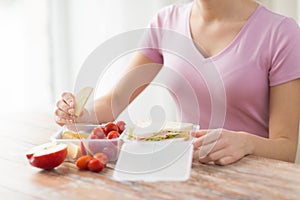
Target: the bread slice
(155, 131)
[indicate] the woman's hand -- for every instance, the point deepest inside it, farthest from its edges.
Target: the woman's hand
(220, 146)
(65, 109)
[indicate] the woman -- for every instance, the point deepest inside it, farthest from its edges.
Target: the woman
(255, 52)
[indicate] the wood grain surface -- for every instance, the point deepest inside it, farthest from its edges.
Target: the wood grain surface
(250, 178)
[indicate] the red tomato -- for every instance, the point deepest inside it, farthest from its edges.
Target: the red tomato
(82, 162)
(102, 157)
(94, 137)
(121, 126)
(113, 134)
(110, 126)
(99, 132)
(95, 165)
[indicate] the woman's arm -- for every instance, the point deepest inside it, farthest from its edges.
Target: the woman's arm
(283, 124)
(224, 146)
(139, 73)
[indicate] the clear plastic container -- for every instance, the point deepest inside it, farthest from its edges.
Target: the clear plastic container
(108, 146)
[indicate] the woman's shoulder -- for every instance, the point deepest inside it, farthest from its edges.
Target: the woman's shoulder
(284, 30)
(173, 11)
(275, 20)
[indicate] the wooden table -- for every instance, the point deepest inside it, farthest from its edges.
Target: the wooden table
(250, 178)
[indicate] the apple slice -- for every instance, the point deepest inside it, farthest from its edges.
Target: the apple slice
(74, 151)
(39, 148)
(47, 156)
(81, 99)
(73, 135)
(82, 148)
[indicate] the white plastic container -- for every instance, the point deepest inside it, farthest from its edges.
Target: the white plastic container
(108, 146)
(151, 161)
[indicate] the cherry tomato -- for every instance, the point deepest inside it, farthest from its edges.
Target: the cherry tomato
(113, 134)
(94, 137)
(82, 162)
(102, 157)
(95, 165)
(121, 126)
(110, 126)
(99, 132)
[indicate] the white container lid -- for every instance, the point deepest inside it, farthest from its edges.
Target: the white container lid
(154, 161)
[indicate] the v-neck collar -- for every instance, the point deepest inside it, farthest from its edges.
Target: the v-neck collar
(232, 43)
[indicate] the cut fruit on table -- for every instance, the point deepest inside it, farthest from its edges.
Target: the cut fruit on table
(81, 99)
(47, 156)
(74, 151)
(73, 135)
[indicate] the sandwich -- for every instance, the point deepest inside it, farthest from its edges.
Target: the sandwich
(155, 131)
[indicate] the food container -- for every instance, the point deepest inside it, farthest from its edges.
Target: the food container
(108, 146)
(168, 159)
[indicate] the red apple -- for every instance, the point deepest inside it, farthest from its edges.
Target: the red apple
(47, 156)
(82, 148)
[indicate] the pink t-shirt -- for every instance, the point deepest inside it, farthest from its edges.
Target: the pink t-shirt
(231, 89)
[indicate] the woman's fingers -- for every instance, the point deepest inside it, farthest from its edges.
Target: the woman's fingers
(60, 121)
(209, 150)
(199, 133)
(69, 99)
(220, 146)
(61, 114)
(211, 146)
(65, 109)
(213, 156)
(62, 118)
(211, 137)
(225, 160)
(63, 106)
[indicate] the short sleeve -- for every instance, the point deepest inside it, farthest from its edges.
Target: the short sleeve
(285, 63)
(150, 45)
